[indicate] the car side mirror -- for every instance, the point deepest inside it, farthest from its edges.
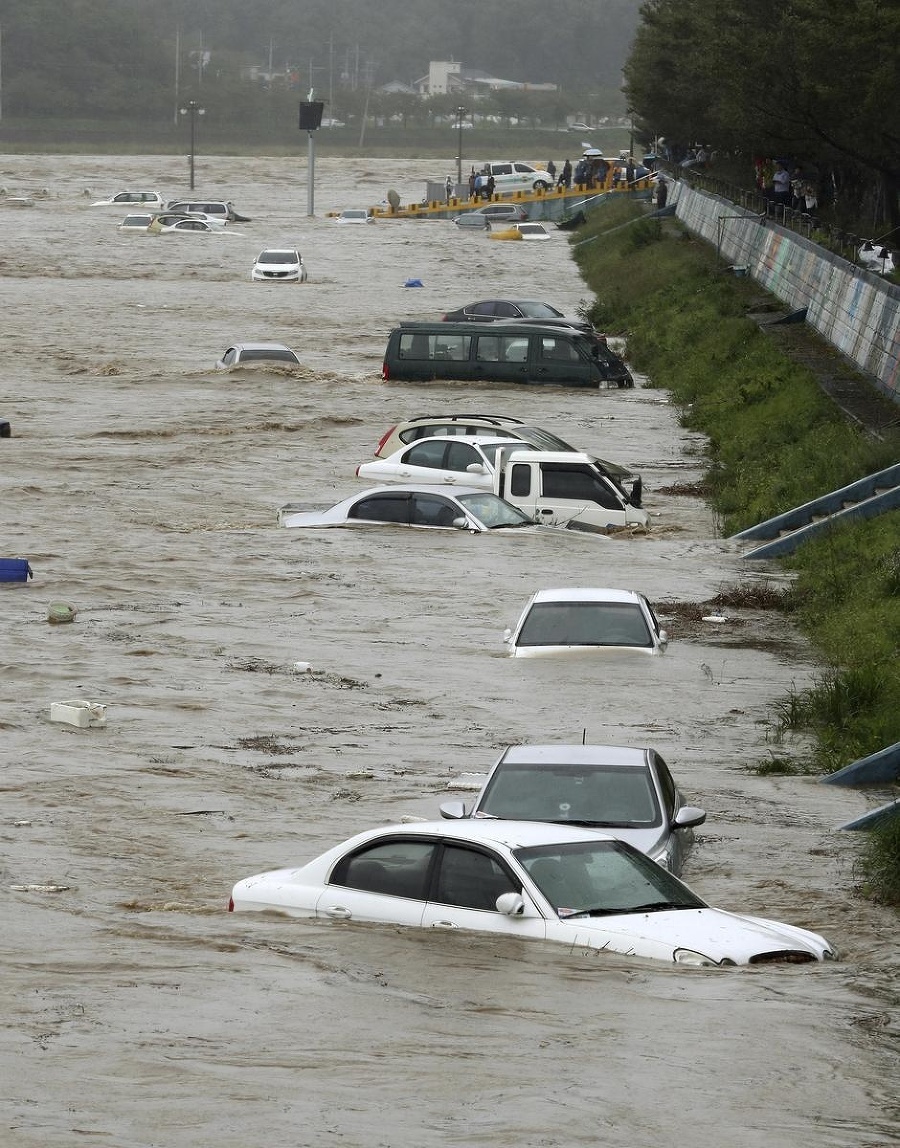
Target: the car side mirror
(511, 904)
(476, 468)
(453, 810)
(688, 816)
(507, 635)
(461, 523)
(663, 639)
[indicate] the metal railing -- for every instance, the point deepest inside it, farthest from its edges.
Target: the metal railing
(836, 239)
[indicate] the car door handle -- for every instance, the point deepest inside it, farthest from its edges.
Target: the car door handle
(451, 477)
(547, 510)
(404, 473)
(444, 925)
(338, 913)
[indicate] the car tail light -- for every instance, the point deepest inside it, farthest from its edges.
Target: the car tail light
(385, 372)
(357, 470)
(388, 434)
(231, 904)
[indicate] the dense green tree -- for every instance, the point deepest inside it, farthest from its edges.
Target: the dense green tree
(814, 80)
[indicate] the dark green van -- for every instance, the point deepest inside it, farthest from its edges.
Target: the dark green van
(515, 353)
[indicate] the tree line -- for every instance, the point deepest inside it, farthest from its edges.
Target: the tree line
(814, 82)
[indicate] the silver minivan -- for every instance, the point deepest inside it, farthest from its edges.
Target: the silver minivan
(220, 209)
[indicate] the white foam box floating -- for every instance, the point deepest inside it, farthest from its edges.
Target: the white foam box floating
(80, 713)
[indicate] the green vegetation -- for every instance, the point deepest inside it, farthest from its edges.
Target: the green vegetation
(775, 441)
(769, 82)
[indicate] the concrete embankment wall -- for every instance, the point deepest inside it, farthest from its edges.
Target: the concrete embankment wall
(856, 311)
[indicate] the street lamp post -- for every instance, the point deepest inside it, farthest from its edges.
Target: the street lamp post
(193, 110)
(460, 112)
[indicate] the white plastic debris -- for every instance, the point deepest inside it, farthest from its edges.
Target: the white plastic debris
(302, 667)
(80, 713)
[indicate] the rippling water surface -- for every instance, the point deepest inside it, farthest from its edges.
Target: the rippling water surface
(142, 485)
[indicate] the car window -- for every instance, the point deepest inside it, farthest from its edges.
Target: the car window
(482, 308)
(505, 310)
(607, 795)
(471, 879)
(492, 511)
(667, 785)
(556, 350)
(229, 356)
(460, 455)
(382, 508)
(578, 482)
(543, 440)
(432, 510)
(520, 480)
(501, 169)
(284, 356)
(395, 868)
(487, 349)
(427, 453)
(584, 624)
(524, 167)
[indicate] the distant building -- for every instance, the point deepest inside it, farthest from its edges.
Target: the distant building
(450, 78)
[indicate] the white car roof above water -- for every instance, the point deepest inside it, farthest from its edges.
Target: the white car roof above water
(586, 594)
(618, 755)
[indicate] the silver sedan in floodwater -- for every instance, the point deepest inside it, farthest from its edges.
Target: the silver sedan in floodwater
(432, 507)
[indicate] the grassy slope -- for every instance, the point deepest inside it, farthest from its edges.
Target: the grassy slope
(775, 441)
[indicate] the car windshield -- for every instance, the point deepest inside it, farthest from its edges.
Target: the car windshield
(542, 439)
(621, 796)
(492, 511)
(538, 310)
(278, 257)
(284, 356)
(584, 624)
(598, 878)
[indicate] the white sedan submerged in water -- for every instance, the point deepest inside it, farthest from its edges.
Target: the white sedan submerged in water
(429, 507)
(525, 880)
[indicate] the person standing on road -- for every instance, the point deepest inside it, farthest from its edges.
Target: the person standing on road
(662, 191)
(449, 187)
(565, 176)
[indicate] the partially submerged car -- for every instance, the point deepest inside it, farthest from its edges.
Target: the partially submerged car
(355, 215)
(559, 621)
(430, 507)
(129, 200)
(138, 223)
(431, 426)
(469, 461)
(492, 213)
(624, 791)
(257, 354)
(279, 265)
(487, 310)
(527, 880)
(527, 230)
(223, 209)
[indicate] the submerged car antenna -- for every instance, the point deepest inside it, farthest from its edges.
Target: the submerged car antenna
(584, 736)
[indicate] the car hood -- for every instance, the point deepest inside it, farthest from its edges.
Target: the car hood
(714, 934)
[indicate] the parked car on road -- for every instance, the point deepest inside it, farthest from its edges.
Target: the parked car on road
(430, 507)
(279, 265)
(527, 880)
(559, 621)
(513, 175)
(626, 792)
(136, 222)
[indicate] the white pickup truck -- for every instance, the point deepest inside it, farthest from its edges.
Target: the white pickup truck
(564, 488)
(554, 487)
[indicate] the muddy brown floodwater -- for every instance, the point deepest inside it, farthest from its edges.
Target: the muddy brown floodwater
(142, 485)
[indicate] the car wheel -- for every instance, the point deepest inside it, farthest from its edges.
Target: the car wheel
(541, 185)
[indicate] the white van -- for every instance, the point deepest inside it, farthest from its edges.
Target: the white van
(512, 175)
